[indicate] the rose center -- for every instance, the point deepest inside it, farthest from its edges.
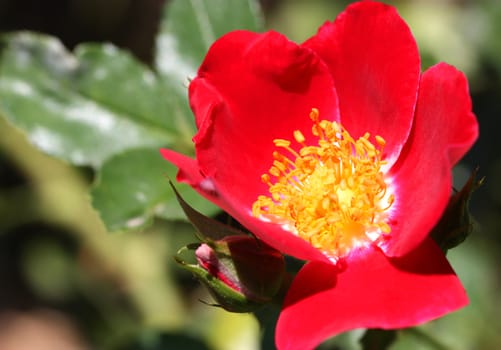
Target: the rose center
(334, 194)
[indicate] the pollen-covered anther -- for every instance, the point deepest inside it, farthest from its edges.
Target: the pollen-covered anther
(333, 194)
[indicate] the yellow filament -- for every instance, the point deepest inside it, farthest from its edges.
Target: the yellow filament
(333, 194)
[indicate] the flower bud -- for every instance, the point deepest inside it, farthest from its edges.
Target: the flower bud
(241, 272)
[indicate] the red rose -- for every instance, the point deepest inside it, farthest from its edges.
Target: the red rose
(337, 151)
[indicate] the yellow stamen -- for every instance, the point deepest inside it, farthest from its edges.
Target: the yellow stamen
(334, 194)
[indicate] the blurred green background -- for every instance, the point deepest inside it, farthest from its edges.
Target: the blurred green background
(67, 283)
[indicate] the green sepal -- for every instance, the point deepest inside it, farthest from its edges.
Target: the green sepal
(207, 228)
(457, 223)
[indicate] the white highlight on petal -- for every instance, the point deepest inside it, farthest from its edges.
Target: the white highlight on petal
(207, 185)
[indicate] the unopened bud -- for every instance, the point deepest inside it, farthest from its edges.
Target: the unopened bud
(241, 272)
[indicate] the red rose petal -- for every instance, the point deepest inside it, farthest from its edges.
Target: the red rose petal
(444, 100)
(190, 173)
(268, 86)
(373, 292)
(375, 64)
(444, 129)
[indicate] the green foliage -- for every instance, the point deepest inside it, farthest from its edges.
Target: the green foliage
(133, 187)
(100, 107)
(45, 92)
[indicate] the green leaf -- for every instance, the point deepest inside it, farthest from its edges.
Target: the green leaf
(116, 79)
(189, 27)
(208, 228)
(134, 186)
(57, 99)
